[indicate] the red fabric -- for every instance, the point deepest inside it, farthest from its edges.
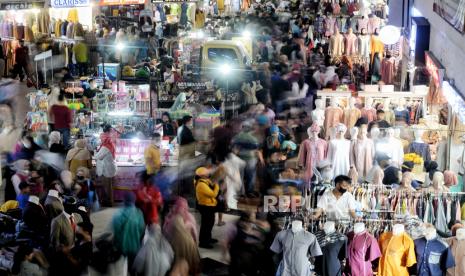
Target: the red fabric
(107, 141)
(148, 199)
(62, 116)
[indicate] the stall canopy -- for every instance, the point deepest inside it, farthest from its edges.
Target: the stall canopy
(121, 2)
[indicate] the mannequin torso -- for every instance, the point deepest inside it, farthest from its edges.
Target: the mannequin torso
(336, 45)
(338, 153)
(362, 153)
(312, 151)
(333, 116)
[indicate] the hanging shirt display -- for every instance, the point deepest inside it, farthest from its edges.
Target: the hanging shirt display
(363, 250)
(398, 254)
(334, 248)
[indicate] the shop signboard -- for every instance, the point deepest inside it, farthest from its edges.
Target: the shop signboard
(69, 3)
(121, 2)
(21, 5)
(171, 1)
(193, 85)
(435, 68)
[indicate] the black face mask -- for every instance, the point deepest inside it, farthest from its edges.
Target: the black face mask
(79, 236)
(80, 177)
(342, 190)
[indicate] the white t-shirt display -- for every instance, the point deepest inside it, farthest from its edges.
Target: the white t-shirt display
(337, 209)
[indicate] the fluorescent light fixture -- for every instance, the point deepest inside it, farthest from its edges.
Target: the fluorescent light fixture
(389, 34)
(246, 34)
(120, 113)
(120, 46)
(225, 69)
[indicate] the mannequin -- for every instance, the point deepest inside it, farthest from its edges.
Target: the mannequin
(329, 227)
(362, 23)
(350, 43)
(392, 147)
(398, 229)
(353, 133)
(373, 23)
(388, 114)
(388, 71)
(419, 147)
(333, 116)
(441, 156)
(297, 226)
(457, 247)
(359, 227)
(336, 44)
(364, 45)
(405, 143)
(431, 252)
(351, 114)
(362, 153)
(363, 250)
(312, 151)
(332, 245)
(401, 113)
(330, 24)
(339, 151)
(296, 246)
(318, 115)
(376, 46)
(369, 112)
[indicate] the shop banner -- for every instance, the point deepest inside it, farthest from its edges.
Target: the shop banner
(21, 5)
(435, 68)
(69, 3)
(172, 1)
(121, 2)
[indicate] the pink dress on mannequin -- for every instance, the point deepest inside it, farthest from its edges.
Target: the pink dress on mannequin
(312, 151)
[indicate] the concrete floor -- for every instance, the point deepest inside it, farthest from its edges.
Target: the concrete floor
(102, 220)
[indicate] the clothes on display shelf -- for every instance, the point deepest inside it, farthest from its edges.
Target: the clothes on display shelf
(330, 26)
(422, 149)
(388, 71)
(362, 24)
(350, 44)
(336, 45)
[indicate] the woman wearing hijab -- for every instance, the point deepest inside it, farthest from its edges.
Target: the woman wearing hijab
(106, 166)
(54, 143)
(184, 247)
(79, 156)
(181, 208)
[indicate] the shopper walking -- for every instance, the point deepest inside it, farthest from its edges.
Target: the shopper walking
(62, 117)
(148, 199)
(106, 166)
(79, 156)
(206, 193)
(22, 60)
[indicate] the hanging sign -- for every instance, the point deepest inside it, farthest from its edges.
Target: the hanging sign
(21, 5)
(121, 2)
(69, 3)
(435, 68)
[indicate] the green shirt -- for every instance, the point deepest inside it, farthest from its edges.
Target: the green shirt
(80, 52)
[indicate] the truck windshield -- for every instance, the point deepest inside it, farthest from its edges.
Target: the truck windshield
(222, 55)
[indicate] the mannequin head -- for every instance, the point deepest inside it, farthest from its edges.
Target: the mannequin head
(460, 234)
(438, 181)
(374, 133)
(363, 132)
(319, 104)
(354, 133)
(418, 133)
(401, 104)
(369, 103)
(334, 101)
(297, 226)
(406, 181)
(313, 131)
(352, 102)
(429, 232)
(364, 31)
(398, 229)
(329, 227)
(359, 227)
(340, 130)
(390, 133)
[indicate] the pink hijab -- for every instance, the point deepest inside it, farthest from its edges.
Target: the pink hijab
(181, 208)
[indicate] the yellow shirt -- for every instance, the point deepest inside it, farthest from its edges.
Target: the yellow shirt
(152, 159)
(398, 254)
(206, 195)
(80, 51)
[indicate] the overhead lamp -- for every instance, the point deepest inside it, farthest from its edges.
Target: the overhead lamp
(389, 35)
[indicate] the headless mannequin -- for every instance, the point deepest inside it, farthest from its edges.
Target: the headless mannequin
(369, 112)
(359, 228)
(350, 43)
(339, 152)
(388, 114)
(419, 147)
(351, 114)
(402, 116)
(333, 116)
(336, 44)
(398, 229)
(364, 45)
(362, 153)
(329, 227)
(353, 133)
(297, 226)
(392, 147)
(318, 115)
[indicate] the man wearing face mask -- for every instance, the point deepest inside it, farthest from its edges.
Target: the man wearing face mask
(337, 203)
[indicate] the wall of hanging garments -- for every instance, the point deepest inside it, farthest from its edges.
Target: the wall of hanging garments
(82, 15)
